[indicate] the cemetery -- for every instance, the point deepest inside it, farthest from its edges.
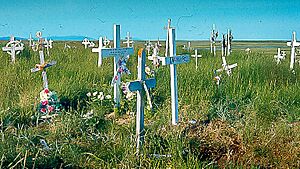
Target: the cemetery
(120, 101)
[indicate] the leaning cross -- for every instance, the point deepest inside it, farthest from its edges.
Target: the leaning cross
(293, 44)
(13, 47)
(196, 56)
(142, 86)
(226, 67)
(41, 67)
(117, 52)
(173, 60)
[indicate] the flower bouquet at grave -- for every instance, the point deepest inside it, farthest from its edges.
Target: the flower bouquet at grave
(49, 103)
(122, 69)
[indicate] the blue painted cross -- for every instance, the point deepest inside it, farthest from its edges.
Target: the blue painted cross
(141, 86)
(173, 60)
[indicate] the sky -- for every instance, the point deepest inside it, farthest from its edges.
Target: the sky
(146, 19)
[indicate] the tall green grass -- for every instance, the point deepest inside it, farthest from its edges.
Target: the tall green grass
(260, 101)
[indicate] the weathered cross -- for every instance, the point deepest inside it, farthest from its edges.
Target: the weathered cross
(48, 44)
(196, 56)
(173, 60)
(229, 40)
(280, 56)
(41, 67)
(13, 47)
(129, 40)
(293, 44)
(155, 56)
(224, 45)
(30, 40)
(226, 67)
(148, 46)
(213, 37)
(117, 52)
(85, 42)
(142, 86)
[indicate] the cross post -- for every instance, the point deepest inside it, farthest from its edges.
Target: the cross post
(173, 60)
(142, 86)
(293, 44)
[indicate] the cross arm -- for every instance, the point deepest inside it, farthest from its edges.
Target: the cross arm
(137, 85)
(39, 67)
(175, 60)
(106, 52)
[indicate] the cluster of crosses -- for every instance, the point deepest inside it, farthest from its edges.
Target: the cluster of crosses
(87, 43)
(142, 84)
(226, 43)
(48, 44)
(213, 38)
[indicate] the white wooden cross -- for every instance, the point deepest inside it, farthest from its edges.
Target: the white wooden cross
(226, 67)
(129, 40)
(30, 41)
(293, 44)
(155, 56)
(85, 42)
(48, 45)
(196, 56)
(280, 56)
(173, 60)
(229, 40)
(142, 86)
(213, 38)
(99, 51)
(148, 47)
(117, 52)
(41, 67)
(13, 47)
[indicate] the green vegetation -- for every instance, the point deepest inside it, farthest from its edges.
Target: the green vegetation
(251, 119)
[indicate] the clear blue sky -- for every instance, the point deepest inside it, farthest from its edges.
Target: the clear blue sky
(145, 19)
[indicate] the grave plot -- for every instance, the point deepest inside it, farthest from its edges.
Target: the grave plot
(13, 48)
(49, 103)
(293, 44)
(120, 55)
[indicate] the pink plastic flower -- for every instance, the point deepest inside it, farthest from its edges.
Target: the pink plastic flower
(45, 102)
(46, 91)
(50, 108)
(43, 110)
